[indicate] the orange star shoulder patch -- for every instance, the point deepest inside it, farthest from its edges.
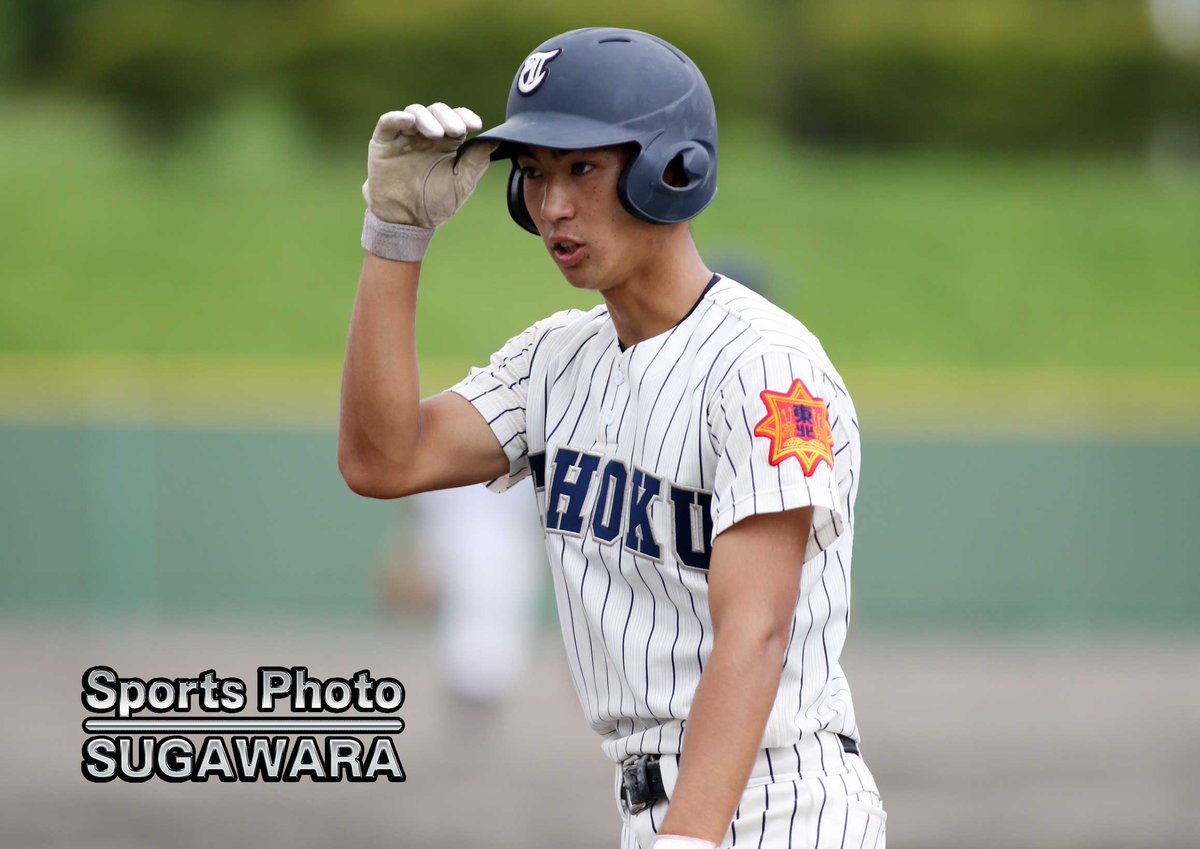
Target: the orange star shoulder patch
(797, 425)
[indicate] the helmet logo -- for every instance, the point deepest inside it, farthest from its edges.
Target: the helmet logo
(534, 72)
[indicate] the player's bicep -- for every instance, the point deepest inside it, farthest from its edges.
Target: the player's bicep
(475, 431)
(455, 446)
(754, 576)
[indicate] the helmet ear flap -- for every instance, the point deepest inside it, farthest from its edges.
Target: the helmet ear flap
(516, 201)
(646, 193)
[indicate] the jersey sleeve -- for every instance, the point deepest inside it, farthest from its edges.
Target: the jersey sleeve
(772, 428)
(499, 390)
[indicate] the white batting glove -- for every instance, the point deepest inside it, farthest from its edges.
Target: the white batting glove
(415, 178)
(676, 841)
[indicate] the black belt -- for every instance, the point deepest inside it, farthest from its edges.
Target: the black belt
(642, 784)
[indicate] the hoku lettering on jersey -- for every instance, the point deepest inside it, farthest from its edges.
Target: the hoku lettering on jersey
(612, 502)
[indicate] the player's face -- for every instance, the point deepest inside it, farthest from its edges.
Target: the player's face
(572, 199)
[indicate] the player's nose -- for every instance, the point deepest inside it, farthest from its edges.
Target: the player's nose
(557, 204)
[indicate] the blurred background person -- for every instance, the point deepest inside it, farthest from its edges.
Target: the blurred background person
(476, 555)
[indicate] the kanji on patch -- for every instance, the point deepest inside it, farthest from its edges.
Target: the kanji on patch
(796, 425)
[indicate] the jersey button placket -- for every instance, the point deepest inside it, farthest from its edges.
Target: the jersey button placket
(608, 418)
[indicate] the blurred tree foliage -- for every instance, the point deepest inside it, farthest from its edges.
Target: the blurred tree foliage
(992, 74)
(999, 74)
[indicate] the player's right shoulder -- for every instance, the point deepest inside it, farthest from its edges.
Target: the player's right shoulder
(569, 325)
(532, 349)
(562, 335)
(551, 332)
(535, 337)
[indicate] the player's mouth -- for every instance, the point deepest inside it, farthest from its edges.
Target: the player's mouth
(566, 252)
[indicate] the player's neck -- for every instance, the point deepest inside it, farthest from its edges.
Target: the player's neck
(656, 297)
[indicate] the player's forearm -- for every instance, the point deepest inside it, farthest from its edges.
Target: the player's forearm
(418, 174)
(725, 730)
(380, 399)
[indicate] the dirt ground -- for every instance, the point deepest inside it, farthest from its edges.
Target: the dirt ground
(1032, 741)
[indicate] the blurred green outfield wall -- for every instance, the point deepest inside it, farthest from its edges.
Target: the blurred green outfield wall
(119, 520)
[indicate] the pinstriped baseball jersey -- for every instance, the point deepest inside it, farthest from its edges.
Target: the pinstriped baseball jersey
(640, 457)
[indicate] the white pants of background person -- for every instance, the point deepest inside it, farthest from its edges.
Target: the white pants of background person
(483, 551)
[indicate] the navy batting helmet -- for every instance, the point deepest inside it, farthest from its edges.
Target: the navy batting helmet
(603, 86)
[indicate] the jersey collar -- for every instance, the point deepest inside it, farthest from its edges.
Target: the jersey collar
(686, 316)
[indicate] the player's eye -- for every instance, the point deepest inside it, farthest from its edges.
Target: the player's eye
(580, 168)
(529, 172)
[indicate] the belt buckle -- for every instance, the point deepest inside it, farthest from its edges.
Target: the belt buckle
(633, 775)
(627, 807)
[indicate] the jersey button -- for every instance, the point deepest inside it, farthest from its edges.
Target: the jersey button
(619, 377)
(609, 416)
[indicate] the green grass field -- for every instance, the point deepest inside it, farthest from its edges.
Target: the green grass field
(244, 243)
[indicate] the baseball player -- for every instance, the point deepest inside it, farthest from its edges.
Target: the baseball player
(694, 452)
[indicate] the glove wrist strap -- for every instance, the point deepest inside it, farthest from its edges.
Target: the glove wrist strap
(398, 242)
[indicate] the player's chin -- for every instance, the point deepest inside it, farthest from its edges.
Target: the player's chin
(584, 282)
(581, 276)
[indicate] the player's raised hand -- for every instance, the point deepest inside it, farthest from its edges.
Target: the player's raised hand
(414, 173)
